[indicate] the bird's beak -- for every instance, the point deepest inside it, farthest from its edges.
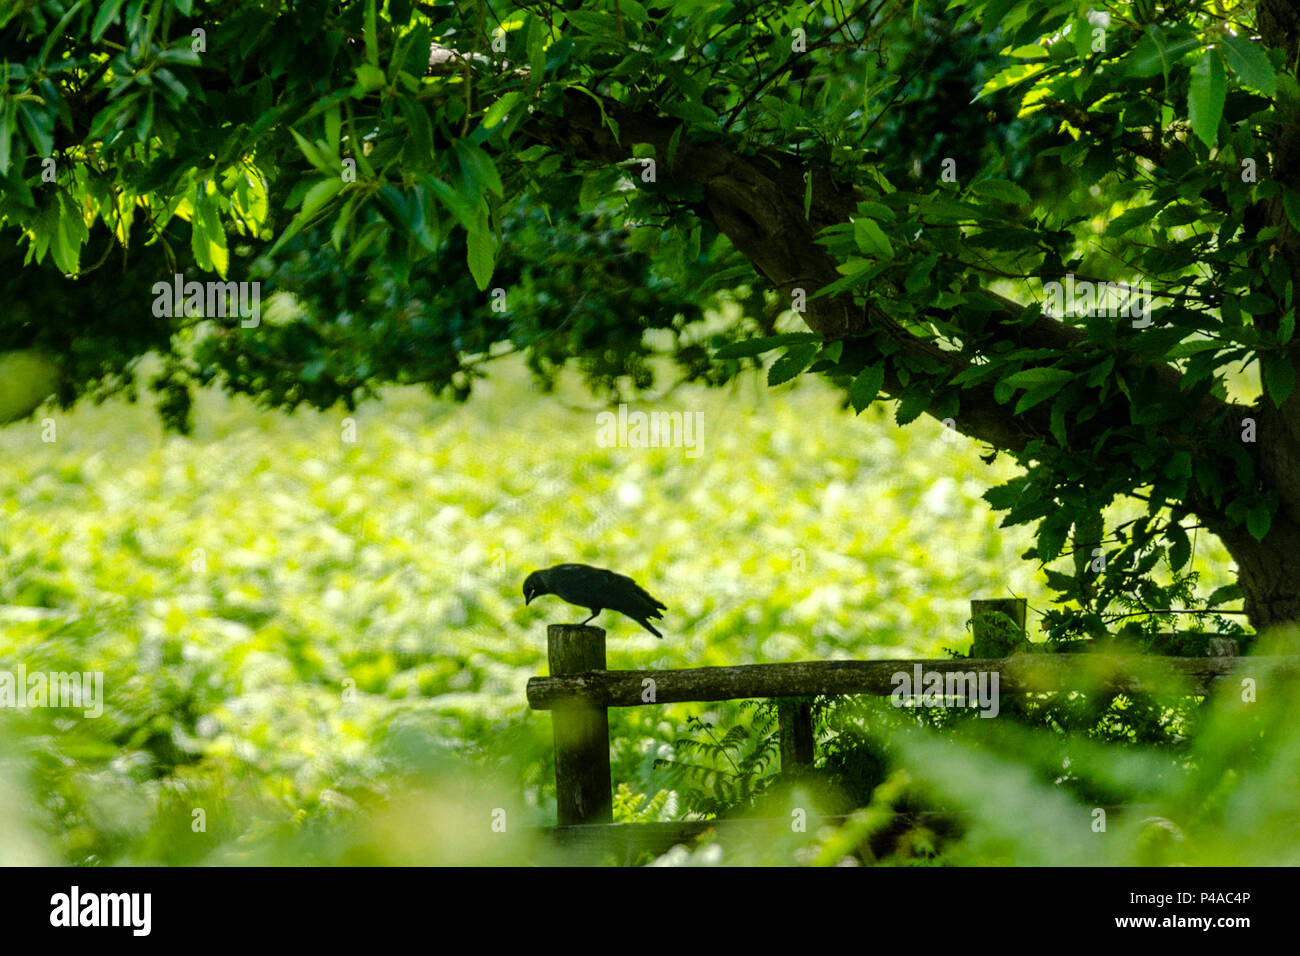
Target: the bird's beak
(528, 599)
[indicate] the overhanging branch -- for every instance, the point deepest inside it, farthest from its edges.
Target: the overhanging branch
(757, 201)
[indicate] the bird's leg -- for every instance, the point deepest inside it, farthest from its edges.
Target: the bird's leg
(593, 614)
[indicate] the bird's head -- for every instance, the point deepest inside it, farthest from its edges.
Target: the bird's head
(534, 586)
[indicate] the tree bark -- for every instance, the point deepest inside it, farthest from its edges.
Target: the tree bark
(1267, 569)
(1267, 574)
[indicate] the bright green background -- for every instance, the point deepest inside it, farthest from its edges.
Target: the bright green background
(395, 562)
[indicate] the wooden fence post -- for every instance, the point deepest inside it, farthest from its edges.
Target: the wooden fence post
(583, 793)
(993, 638)
(794, 716)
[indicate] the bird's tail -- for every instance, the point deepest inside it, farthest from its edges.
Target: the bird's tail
(649, 627)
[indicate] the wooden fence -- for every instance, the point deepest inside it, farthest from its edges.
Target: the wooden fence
(580, 690)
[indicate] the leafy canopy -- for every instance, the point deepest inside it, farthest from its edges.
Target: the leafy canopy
(888, 191)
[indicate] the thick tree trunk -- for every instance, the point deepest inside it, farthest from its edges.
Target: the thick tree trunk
(1268, 569)
(1267, 572)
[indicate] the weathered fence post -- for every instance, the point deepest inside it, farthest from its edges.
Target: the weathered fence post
(794, 717)
(582, 785)
(994, 636)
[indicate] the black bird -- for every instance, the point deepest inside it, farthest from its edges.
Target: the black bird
(596, 589)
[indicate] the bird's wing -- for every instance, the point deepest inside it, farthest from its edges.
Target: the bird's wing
(651, 601)
(641, 593)
(653, 606)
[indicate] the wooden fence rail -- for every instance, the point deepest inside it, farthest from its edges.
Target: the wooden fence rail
(1023, 674)
(580, 690)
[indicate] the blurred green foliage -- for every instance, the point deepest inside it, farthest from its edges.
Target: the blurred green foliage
(994, 792)
(234, 587)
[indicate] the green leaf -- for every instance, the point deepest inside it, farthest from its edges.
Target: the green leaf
(871, 239)
(692, 111)
(1011, 76)
(1030, 52)
(536, 50)
(1036, 377)
(1101, 371)
(418, 128)
(1130, 218)
(1051, 534)
(1003, 497)
(178, 90)
(423, 216)
(643, 239)
(107, 14)
(876, 210)
(199, 241)
(1180, 547)
(1221, 595)
(481, 249)
(208, 236)
(919, 275)
(339, 230)
(673, 142)
(6, 139)
(39, 126)
(1257, 303)
(941, 208)
(596, 23)
(1057, 422)
(1258, 520)
(1291, 203)
(758, 346)
(68, 236)
(1286, 327)
(911, 405)
(320, 192)
(478, 167)
(1035, 395)
(498, 110)
(795, 360)
(370, 77)
(866, 386)
(315, 154)
(1180, 465)
(333, 127)
(1001, 190)
(54, 36)
(1278, 376)
(1151, 56)
(1250, 63)
(1205, 97)
(1195, 347)
(456, 204)
(15, 189)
